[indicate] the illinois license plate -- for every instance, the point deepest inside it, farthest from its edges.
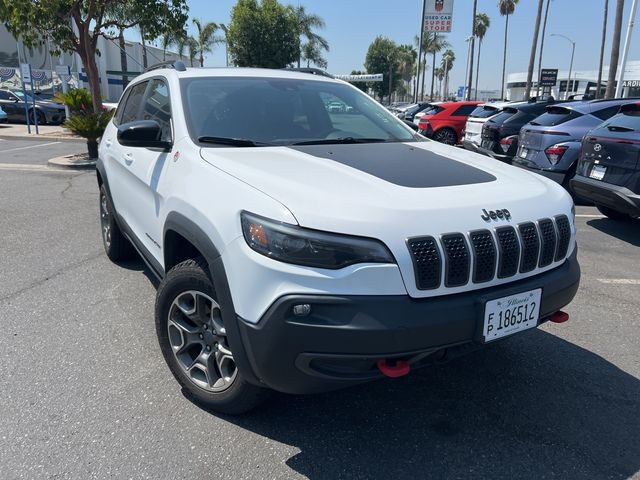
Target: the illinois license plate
(597, 172)
(508, 315)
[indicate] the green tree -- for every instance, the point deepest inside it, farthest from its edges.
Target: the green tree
(382, 57)
(263, 34)
(432, 44)
(312, 53)
(482, 25)
(364, 86)
(315, 43)
(615, 51)
(206, 37)
(446, 63)
(407, 56)
(506, 7)
(34, 22)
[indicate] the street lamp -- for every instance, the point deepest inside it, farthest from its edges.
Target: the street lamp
(573, 51)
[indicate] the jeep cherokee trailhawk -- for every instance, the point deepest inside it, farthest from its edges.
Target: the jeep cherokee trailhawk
(303, 249)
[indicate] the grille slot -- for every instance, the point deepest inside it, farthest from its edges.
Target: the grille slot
(426, 262)
(457, 260)
(530, 246)
(485, 255)
(548, 236)
(509, 251)
(564, 235)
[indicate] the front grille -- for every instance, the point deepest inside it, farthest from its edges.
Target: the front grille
(484, 254)
(457, 260)
(426, 262)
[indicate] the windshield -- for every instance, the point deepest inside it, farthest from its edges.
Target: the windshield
(22, 96)
(277, 111)
(484, 112)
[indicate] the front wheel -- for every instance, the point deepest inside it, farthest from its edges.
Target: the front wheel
(446, 136)
(42, 120)
(194, 342)
(613, 214)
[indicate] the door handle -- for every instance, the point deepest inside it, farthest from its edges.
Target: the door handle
(128, 158)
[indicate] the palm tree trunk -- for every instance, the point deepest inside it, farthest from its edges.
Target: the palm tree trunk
(478, 68)
(544, 29)
(433, 75)
(615, 51)
(504, 58)
(602, 45)
(123, 59)
(144, 48)
(534, 46)
(424, 73)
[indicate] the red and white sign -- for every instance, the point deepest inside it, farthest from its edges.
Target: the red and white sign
(438, 16)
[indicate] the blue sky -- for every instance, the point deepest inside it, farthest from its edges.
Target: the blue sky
(353, 24)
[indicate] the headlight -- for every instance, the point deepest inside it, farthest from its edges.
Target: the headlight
(301, 246)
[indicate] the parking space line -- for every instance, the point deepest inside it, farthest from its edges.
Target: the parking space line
(36, 168)
(30, 146)
(620, 281)
(589, 216)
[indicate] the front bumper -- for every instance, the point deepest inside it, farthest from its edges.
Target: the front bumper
(339, 342)
(616, 197)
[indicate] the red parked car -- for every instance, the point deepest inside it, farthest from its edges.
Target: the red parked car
(445, 121)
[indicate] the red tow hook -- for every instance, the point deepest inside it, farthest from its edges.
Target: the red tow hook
(400, 368)
(559, 317)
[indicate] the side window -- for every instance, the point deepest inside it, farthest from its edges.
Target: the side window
(5, 95)
(157, 106)
(464, 111)
(606, 113)
(131, 110)
(117, 117)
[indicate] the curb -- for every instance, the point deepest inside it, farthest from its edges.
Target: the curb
(36, 138)
(65, 161)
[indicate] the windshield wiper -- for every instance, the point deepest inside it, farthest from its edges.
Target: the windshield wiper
(235, 142)
(342, 140)
(619, 128)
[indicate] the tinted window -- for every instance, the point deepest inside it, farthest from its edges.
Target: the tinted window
(432, 110)
(606, 113)
(285, 110)
(556, 116)
(6, 96)
(484, 112)
(626, 120)
(158, 107)
(464, 111)
(117, 117)
(503, 116)
(134, 101)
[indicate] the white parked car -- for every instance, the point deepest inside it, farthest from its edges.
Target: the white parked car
(472, 136)
(303, 255)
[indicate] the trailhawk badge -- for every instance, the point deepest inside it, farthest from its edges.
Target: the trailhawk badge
(495, 215)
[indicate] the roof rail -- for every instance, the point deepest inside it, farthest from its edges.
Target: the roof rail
(312, 71)
(178, 65)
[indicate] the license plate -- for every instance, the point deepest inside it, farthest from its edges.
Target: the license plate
(524, 152)
(597, 172)
(508, 315)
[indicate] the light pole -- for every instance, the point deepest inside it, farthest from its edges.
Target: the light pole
(573, 51)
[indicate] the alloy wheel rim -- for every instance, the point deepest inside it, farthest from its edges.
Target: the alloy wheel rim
(198, 340)
(104, 220)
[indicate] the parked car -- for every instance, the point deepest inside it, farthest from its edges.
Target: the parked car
(410, 112)
(472, 133)
(609, 168)
(500, 132)
(445, 121)
(12, 102)
(3, 116)
(332, 251)
(550, 144)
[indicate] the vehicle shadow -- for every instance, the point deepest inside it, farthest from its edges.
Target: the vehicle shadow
(534, 406)
(136, 264)
(627, 231)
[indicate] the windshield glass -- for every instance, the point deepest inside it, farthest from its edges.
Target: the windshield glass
(627, 120)
(22, 96)
(277, 111)
(556, 116)
(503, 116)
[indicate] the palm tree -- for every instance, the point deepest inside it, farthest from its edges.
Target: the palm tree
(225, 30)
(206, 37)
(544, 29)
(406, 62)
(439, 74)
(168, 39)
(468, 82)
(432, 43)
(602, 45)
(534, 46)
(615, 51)
(448, 57)
(312, 53)
(507, 8)
(307, 23)
(480, 30)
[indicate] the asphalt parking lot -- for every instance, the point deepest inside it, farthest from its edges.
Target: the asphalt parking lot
(85, 393)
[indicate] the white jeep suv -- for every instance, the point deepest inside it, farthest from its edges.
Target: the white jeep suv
(302, 249)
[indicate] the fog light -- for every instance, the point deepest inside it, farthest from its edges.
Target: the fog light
(302, 310)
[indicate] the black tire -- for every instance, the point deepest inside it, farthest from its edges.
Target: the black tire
(446, 136)
(613, 214)
(116, 246)
(238, 396)
(42, 120)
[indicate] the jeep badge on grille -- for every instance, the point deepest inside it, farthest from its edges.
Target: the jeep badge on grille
(502, 214)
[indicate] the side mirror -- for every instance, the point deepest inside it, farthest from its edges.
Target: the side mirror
(16, 100)
(142, 133)
(411, 125)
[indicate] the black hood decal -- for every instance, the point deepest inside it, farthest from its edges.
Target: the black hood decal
(401, 164)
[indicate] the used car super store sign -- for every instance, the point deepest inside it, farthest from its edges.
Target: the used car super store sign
(438, 15)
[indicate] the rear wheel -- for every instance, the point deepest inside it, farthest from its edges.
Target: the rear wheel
(194, 343)
(613, 214)
(41, 118)
(446, 135)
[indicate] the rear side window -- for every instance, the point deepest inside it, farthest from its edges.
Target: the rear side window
(5, 96)
(503, 116)
(606, 113)
(158, 107)
(433, 110)
(556, 116)
(483, 112)
(131, 110)
(464, 111)
(117, 117)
